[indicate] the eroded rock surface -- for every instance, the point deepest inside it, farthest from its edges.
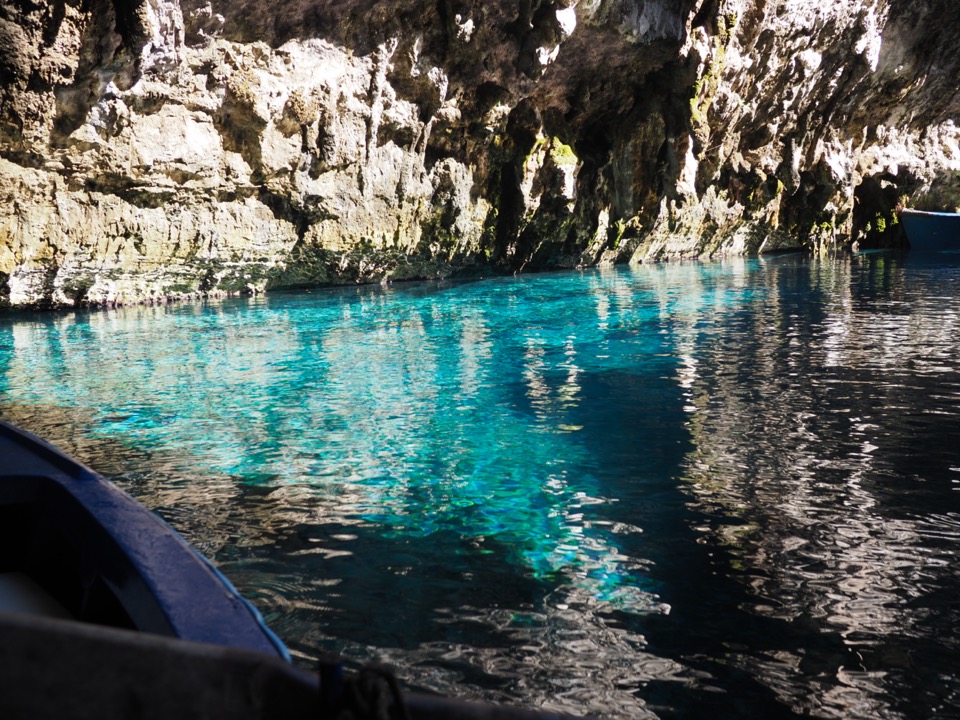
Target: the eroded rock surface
(152, 149)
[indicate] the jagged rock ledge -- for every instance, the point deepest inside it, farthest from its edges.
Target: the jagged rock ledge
(154, 149)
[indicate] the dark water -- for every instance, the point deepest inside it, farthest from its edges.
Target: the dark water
(690, 490)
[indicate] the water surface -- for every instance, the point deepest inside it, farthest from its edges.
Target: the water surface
(697, 490)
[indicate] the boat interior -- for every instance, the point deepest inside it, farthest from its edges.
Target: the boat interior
(56, 561)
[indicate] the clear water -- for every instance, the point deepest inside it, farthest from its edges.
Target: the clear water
(688, 490)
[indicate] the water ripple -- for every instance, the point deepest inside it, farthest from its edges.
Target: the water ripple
(687, 490)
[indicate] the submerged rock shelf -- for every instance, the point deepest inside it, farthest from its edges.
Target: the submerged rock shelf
(154, 149)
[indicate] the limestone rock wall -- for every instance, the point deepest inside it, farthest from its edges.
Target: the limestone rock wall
(810, 123)
(152, 149)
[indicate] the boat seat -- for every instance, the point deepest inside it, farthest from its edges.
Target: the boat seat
(19, 593)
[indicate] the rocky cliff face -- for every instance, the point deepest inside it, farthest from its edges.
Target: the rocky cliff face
(152, 148)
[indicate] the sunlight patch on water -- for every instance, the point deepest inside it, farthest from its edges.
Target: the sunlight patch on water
(399, 413)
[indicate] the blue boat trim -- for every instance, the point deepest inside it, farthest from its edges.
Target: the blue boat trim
(124, 552)
(278, 644)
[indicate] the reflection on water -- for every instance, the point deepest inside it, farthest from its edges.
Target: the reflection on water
(697, 490)
(826, 461)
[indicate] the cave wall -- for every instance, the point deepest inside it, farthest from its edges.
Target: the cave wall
(154, 149)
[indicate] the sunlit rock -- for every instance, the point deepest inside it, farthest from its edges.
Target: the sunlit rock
(163, 149)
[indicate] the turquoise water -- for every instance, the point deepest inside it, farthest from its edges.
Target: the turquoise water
(711, 490)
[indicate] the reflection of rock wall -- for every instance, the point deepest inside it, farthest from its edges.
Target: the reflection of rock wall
(152, 148)
(818, 459)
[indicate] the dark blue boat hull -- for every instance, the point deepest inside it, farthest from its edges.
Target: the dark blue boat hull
(106, 559)
(931, 231)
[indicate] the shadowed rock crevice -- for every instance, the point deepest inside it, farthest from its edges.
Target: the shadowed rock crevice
(110, 42)
(875, 223)
(132, 23)
(522, 128)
